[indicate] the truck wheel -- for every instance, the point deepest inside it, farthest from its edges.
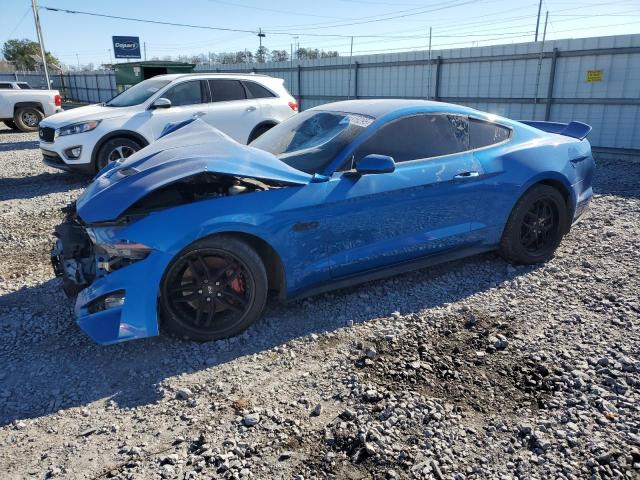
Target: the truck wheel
(114, 150)
(10, 124)
(27, 118)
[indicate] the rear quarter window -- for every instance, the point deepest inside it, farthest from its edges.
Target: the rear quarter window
(256, 90)
(483, 134)
(5, 86)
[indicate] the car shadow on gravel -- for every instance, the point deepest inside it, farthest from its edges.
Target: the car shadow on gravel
(49, 364)
(25, 145)
(42, 184)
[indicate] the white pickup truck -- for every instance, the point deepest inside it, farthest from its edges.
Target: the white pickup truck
(23, 109)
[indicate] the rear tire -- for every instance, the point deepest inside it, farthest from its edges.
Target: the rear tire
(259, 131)
(10, 124)
(535, 227)
(214, 289)
(27, 119)
(115, 149)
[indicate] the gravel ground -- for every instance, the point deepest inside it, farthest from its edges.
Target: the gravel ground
(473, 369)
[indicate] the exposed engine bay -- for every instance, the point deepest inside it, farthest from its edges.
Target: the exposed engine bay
(192, 189)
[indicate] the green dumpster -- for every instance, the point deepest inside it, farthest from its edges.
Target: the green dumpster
(130, 73)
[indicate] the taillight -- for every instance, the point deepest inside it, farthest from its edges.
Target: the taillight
(293, 106)
(58, 100)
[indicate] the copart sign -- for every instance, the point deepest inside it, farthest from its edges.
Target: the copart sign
(126, 47)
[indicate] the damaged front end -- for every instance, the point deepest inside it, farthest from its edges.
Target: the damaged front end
(72, 256)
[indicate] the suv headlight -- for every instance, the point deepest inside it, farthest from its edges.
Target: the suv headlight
(80, 127)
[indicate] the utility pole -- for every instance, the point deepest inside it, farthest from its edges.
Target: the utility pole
(538, 20)
(429, 77)
(261, 36)
(145, 50)
(544, 36)
(36, 18)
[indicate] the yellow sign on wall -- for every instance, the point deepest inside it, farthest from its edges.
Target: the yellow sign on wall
(594, 76)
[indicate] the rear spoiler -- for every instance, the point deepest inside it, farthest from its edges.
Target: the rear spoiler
(577, 130)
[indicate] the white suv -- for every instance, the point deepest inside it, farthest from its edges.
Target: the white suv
(86, 139)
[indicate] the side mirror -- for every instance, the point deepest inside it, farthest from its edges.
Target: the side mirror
(372, 164)
(161, 103)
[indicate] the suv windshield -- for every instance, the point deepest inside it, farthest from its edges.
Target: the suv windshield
(138, 93)
(310, 140)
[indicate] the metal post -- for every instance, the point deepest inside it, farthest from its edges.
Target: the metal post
(355, 79)
(429, 69)
(299, 88)
(538, 20)
(36, 17)
(349, 81)
(78, 60)
(145, 50)
(552, 78)
(436, 94)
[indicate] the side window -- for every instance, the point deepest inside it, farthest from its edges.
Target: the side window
(187, 93)
(226, 90)
(24, 86)
(419, 136)
(257, 91)
(482, 134)
(5, 86)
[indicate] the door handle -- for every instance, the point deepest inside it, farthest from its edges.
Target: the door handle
(199, 114)
(251, 109)
(466, 175)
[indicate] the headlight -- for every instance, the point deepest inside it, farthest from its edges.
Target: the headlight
(78, 128)
(131, 251)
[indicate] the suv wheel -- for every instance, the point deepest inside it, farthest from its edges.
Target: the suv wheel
(114, 150)
(27, 118)
(258, 131)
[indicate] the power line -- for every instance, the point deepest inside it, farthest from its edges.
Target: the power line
(142, 20)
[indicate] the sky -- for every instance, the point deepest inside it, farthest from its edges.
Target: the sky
(377, 26)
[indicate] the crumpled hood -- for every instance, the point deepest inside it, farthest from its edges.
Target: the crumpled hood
(194, 148)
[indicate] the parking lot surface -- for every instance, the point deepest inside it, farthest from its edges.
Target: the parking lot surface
(473, 369)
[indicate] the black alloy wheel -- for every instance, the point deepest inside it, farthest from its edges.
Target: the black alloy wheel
(535, 227)
(213, 292)
(539, 226)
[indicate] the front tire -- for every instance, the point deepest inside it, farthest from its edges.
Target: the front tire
(214, 289)
(27, 119)
(115, 150)
(535, 227)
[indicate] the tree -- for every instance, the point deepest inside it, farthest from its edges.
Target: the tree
(262, 54)
(279, 56)
(20, 53)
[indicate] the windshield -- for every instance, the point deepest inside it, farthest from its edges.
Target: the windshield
(310, 140)
(138, 93)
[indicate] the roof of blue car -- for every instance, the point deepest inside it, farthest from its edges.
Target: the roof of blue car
(382, 106)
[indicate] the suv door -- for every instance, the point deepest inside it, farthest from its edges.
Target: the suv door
(187, 99)
(425, 206)
(231, 111)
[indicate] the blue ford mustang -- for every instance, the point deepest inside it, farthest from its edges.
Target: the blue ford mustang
(193, 231)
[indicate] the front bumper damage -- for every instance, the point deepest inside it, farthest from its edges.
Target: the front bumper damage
(110, 307)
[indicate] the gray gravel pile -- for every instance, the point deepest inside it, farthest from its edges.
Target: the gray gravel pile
(474, 369)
